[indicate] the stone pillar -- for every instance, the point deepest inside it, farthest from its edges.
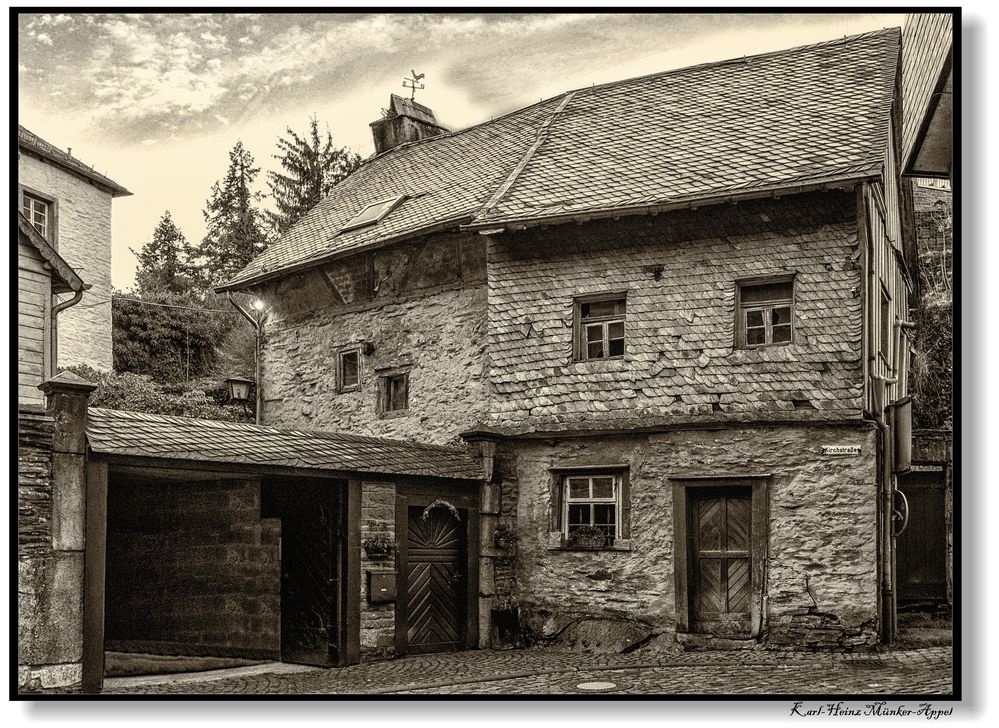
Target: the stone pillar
(51, 580)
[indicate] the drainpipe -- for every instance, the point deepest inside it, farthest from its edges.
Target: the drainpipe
(54, 338)
(256, 323)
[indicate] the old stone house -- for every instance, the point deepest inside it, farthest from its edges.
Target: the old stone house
(69, 205)
(670, 311)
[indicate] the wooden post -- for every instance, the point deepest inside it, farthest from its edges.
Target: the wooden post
(350, 622)
(93, 576)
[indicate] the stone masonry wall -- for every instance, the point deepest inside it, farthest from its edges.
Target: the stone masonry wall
(50, 580)
(377, 620)
(821, 574)
(198, 573)
(84, 241)
(420, 308)
(681, 362)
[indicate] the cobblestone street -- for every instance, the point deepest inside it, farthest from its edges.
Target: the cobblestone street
(925, 671)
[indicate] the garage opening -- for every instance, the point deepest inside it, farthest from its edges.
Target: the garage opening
(209, 565)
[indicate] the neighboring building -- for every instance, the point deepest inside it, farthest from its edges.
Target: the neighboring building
(671, 309)
(41, 275)
(69, 204)
(928, 94)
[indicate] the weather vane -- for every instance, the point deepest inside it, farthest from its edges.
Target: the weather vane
(413, 83)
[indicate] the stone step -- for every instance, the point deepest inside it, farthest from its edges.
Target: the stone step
(693, 642)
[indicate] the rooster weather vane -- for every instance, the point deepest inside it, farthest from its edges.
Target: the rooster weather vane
(413, 83)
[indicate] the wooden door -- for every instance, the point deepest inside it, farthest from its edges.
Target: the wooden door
(921, 555)
(310, 544)
(721, 568)
(436, 581)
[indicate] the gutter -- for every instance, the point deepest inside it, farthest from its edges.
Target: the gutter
(829, 183)
(53, 337)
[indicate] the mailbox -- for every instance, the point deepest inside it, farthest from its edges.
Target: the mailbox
(381, 586)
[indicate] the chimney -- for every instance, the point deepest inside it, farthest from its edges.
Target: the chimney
(405, 121)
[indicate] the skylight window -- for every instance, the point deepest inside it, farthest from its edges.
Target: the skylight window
(373, 213)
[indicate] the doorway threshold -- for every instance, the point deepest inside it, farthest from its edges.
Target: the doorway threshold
(265, 668)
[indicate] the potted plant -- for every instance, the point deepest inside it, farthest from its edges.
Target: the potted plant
(378, 546)
(505, 538)
(587, 537)
(506, 623)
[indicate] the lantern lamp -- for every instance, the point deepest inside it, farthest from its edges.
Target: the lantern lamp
(239, 389)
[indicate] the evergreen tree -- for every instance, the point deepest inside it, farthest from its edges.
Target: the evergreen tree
(235, 234)
(164, 262)
(311, 165)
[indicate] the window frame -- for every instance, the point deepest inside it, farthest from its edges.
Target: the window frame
(558, 526)
(384, 392)
(885, 324)
(52, 212)
(341, 385)
(580, 326)
(391, 203)
(766, 306)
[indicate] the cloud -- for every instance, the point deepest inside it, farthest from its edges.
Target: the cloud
(44, 38)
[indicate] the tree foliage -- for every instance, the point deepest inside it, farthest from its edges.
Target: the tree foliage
(311, 166)
(933, 365)
(142, 393)
(235, 231)
(172, 336)
(165, 261)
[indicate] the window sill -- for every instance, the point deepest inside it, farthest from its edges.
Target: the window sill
(346, 390)
(392, 413)
(617, 364)
(621, 544)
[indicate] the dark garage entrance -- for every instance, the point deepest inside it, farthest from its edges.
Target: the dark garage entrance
(922, 548)
(312, 558)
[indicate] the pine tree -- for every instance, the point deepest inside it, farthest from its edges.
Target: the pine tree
(312, 166)
(165, 261)
(235, 233)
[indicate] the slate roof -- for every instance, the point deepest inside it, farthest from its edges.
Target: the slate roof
(116, 432)
(29, 140)
(753, 125)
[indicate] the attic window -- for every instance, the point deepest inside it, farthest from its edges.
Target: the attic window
(373, 213)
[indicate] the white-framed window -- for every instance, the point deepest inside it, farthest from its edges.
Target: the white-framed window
(38, 212)
(348, 370)
(886, 325)
(600, 326)
(373, 213)
(765, 312)
(591, 502)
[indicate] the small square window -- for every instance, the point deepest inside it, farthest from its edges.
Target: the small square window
(765, 313)
(592, 505)
(395, 392)
(348, 370)
(38, 212)
(600, 327)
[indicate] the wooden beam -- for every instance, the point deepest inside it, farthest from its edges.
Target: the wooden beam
(350, 622)
(680, 556)
(95, 549)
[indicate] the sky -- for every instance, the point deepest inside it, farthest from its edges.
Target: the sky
(156, 101)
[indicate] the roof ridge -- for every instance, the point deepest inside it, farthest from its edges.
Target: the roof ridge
(743, 59)
(519, 167)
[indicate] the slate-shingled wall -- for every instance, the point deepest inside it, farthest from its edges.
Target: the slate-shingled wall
(679, 270)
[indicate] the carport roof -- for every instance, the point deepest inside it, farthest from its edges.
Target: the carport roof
(117, 432)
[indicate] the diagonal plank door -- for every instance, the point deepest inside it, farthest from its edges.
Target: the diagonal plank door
(436, 581)
(722, 586)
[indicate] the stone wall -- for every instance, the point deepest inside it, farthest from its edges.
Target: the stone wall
(377, 620)
(198, 573)
(418, 308)
(83, 239)
(50, 580)
(681, 362)
(821, 574)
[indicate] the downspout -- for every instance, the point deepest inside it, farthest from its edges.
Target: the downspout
(255, 323)
(53, 337)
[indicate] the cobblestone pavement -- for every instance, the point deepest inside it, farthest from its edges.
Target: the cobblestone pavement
(546, 672)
